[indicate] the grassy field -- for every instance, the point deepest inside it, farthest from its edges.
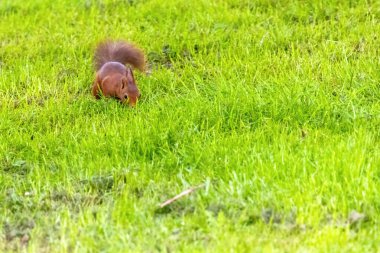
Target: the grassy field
(274, 107)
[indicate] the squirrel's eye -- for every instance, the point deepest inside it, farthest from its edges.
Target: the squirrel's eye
(125, 96)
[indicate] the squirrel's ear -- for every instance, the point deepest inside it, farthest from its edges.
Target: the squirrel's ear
(129, 74)
(124, 83)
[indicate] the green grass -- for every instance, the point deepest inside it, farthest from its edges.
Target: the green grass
(274, 106)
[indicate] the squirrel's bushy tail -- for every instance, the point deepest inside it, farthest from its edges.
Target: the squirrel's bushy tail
(119, 51)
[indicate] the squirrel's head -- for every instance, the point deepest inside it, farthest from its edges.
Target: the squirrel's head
(128, 89)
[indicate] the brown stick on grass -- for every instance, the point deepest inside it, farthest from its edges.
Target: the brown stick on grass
(182, 194)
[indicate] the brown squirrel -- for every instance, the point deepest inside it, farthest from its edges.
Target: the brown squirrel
(113, 77)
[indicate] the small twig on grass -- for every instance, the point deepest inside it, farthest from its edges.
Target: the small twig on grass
(182, 194)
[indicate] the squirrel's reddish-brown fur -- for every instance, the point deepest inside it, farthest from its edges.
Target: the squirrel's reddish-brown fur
(113, 77)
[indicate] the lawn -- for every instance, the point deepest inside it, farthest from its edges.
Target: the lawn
(272, 107)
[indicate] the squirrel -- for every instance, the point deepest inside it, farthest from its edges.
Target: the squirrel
(113, 77)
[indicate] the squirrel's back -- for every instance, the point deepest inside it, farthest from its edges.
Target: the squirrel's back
(119, 51)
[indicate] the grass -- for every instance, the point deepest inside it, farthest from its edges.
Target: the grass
(274, 106)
